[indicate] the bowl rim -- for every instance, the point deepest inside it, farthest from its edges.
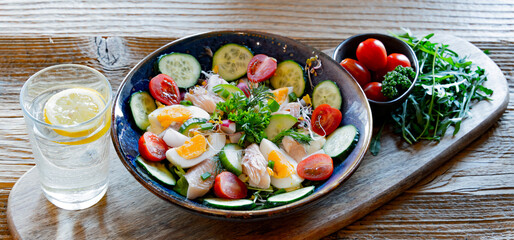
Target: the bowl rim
(410, 50)
(238, 214)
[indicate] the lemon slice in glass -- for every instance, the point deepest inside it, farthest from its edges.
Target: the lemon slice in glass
(75, 107)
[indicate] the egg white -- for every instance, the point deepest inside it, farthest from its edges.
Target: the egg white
(292, 181)
(156, 126)
(216, 143)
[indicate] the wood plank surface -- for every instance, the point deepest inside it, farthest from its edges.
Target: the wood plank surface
(468, 197)
(375, 182)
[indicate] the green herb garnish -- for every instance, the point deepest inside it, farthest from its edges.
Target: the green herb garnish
(205, 175)
(299, 137)
(271, 164)
(186, 103)
(251, 115)
(447, 85)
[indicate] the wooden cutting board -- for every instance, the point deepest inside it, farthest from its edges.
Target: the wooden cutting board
(129, 211)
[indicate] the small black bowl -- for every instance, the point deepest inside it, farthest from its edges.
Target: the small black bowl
(347, 49)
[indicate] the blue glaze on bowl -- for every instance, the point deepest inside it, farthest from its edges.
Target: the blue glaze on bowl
(355, 109)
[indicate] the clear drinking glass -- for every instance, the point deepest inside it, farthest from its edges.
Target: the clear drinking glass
(72, 159)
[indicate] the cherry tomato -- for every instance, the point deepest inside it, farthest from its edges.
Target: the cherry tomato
(316, 167)
(372, 53)
(152, 147)
(261, 67)
(228, 185)
(393, 60)
(373, 91)
(164, 89)
(325, 119)
(357, 70)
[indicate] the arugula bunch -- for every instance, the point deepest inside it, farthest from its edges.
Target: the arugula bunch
(442, 97)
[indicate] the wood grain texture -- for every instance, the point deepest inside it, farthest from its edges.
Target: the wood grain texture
(377, 180)
(456, 201)
(473, 20)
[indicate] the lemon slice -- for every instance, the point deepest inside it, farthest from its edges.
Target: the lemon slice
(75, 107)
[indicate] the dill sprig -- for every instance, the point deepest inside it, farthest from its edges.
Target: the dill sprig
(302, 138)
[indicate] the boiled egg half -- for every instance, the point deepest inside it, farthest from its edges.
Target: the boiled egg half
(173, 115)
(283, 174)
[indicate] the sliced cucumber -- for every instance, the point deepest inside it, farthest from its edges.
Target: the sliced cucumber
(341, 142)
(289, 197)
(183, 68)
(279, 123)
(225, 91)
(229, 203)
(157, 171)
(190, 124)
(289, 74)
(231, 61)
(141, 104)
(231, 157)
(327, 92)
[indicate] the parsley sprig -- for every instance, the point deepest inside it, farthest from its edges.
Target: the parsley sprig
(251, 115)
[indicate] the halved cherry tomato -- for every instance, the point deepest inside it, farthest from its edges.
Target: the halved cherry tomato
(393, 60)
(316, 167)
(228, 185)
(373, 91)
(325, 119)
(357, 70)
(260, 68)
(152, 147)
(164, 89)
(372, 53)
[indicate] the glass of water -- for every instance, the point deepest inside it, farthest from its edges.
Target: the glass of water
(67, 110)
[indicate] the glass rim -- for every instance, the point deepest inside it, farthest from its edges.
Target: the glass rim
(58, 126)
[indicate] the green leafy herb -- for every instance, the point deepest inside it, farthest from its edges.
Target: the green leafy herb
(292, 97)
(251, 115)
(182, 184)
(447, 86)
(302, 138)
(396, 82)
(374, 147)
(273, 105)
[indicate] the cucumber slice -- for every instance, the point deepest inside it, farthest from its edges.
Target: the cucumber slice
(289, 197)
(183, 68)
(190, 124)
(141, 104)
(327, 92)
(229, 203)
(231, 157)
(225, 91)
(341, 142)
(157, 171)
(231, 61)
(289, 74)
(279, 123)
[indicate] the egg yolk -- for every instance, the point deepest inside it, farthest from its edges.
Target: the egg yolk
(282, 168)
(193, 148)
(281, 94)
(170, 115)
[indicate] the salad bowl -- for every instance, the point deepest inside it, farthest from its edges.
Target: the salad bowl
(355, 109)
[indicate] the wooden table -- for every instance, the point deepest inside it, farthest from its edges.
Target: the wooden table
(471, 196)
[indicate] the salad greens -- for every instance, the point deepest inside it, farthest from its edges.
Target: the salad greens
(251, 115)
(447, 86)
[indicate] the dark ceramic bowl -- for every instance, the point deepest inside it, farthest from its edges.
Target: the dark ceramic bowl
(348, 48)
(125, 133)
